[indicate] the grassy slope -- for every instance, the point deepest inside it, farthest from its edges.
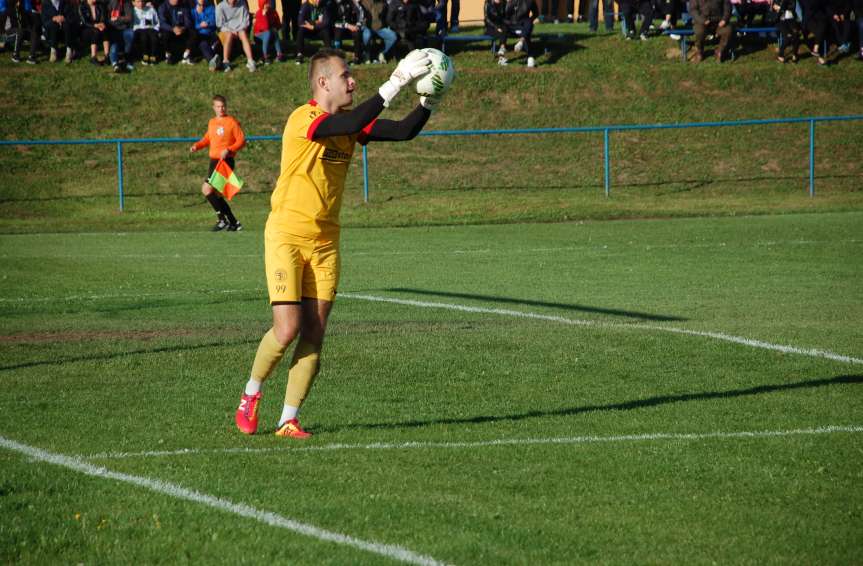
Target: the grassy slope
(592, 81)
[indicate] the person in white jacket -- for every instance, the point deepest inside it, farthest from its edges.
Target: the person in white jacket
(145, 24)
(232, 19)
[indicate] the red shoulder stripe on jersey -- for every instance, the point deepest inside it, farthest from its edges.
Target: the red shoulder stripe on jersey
(366, 132)
(310, 133)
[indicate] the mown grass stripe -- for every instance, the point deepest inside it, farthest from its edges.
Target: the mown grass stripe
(172, 490)
(569, 440)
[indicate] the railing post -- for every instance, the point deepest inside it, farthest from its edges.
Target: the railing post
(365, 173)
(120, 173)
(811, 158)
(606, 163)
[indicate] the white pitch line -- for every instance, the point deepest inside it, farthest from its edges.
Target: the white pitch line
(581, 322)
(832, 429)
(172, 490)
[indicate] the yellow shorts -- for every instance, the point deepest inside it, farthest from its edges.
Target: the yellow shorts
(300, 267)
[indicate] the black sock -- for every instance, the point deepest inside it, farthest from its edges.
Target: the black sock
(226, 212)
(216, 202)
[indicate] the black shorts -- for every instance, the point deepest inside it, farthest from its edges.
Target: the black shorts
(213, 163)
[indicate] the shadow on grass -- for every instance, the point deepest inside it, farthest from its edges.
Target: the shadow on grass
(118, 355)
(564, 306)
(623, 406)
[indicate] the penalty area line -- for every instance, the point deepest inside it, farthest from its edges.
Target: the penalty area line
(178, 492)
(567, 440)
(811, 352)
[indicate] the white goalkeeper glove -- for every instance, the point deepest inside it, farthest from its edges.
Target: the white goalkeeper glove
(414, 65)
(430, 102)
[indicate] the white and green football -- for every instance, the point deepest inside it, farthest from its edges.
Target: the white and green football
(439, 78)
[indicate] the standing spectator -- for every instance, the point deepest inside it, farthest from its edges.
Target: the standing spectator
(816, 19)
(29, 18)
(555, 11)
(94, 26)
(789, 28)
(145, 27)
(225, 138)
(712, 16)
(406, 20)
(494, 16)
(290, 25)
(607, 12)
(120, 15)
(266, 30)
(520, 15)
(59, 17)
(645, 9)
(376, 26)
(177, 31)
(348, 20)
(204, 15)
(314, 22)
(232, 18)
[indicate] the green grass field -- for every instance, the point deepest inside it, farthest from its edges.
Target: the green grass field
(510, 394)
(517, 370)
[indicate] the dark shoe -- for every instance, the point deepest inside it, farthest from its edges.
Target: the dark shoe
(235, 227)
(16, 58)
(299, 59)
(94, 61)
(219, 226)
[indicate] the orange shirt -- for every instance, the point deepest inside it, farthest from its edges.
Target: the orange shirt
(222, 133)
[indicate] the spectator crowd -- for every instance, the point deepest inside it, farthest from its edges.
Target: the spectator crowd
(124, 32)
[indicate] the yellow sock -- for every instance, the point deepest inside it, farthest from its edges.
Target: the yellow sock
(304, 368)
(270, 353)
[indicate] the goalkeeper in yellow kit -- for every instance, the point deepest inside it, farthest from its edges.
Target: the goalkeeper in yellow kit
(301, 239)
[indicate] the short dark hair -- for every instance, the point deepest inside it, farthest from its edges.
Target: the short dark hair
(220, 98)
(320, 58)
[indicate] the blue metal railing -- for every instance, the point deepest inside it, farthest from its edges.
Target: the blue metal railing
(606, 134)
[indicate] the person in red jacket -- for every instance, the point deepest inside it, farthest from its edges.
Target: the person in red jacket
(266, 30)
(225, 138)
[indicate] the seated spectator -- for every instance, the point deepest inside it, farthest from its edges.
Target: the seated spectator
(713, 16)
(494, 17)
(348, 18)
(789, 28)
(120, 32)
(4, 15)
(748, 9)
(59, 18)
(858, 14)
(313, 22)
(94, 29)
(376, 26)
(841, 13)
(816, 19)
(232, 18)
(177, 31)
(407, 21)
(145, 27)
(30, 19)
(267, 24)
(204, 15)
(520, 15)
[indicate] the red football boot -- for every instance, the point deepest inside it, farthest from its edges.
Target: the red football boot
(291, 429)
(247, 413)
